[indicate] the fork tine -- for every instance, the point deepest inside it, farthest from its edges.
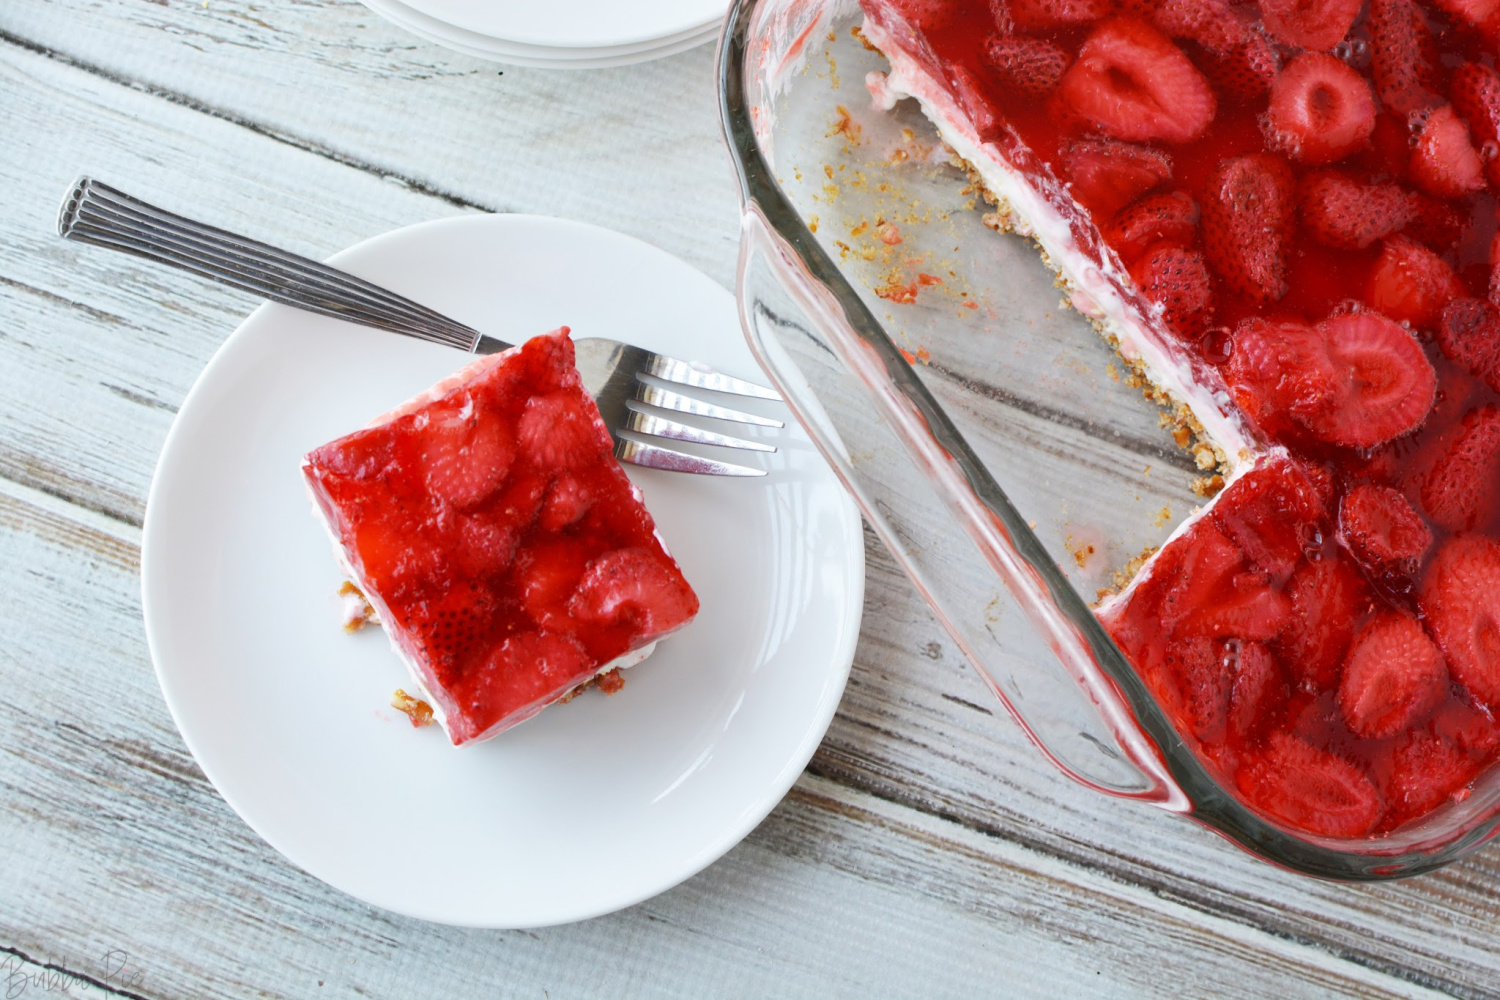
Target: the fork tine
(702, 377)
(667, 399)
(651, 424)
(652, 456)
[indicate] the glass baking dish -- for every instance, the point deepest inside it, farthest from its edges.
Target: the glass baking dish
(932, 362)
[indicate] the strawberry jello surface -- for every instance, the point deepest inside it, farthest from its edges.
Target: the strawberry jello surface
(507, 554)
(1284, 215)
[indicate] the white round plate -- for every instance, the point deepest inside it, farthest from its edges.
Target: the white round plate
(568, 24)
(537, 56)
(589, 807)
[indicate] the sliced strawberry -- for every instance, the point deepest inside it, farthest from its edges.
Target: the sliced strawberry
(1328, 597)
(1247, 216)
(1310, 24)
(485, 547)
(969, 93)
(1459, 492)
(529, 666)
(1210, 23)
(1437, 224)
(451, 626)
(568, 499)
(1444, 162)
(465, 452)
(1309, 788)
(1411, 284)
(399, 569)
(1320, 111)
(1466, 726)
(1134, 84)
(1460, 600)
(633, 585)
(1247, 72)
(1030, 65)
(550, 573)
(1382, 529)
(1194, 687)
(1107, 176)
(1427, 770)
(1245, 605)
(1177, 280)
(556, 431)
(1381, 384)
(928, 15)
(1170, 219)
(1477, 12)
(1258, 688)
(1275, 516)
(1275, 367)
(1494, 290)
(1030, 15)
(1339, 211)
(1394, 676)
(1403, 58)
(1475, 92)
(1469, 334)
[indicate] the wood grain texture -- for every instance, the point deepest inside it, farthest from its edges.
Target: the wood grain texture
(929, 851)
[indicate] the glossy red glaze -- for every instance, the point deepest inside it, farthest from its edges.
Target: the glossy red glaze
(506, 551)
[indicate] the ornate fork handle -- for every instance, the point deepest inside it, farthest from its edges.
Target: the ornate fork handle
(97, 213)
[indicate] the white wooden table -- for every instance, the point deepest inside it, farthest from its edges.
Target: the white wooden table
(927, 851)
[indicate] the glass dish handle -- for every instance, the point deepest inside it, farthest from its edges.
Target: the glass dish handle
(884, 435)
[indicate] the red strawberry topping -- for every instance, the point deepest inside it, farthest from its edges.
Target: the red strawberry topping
(1339, 211)
(1444, 162)
(1382, 529)
(1210, 23)
(632, 584)
(1310, 788)
(1477, 12)
(1461, 602)
(1469, 334)
(1459, 490)
(1274, 368)
(1394, 676)
(1436, 223)
(928, 15)
(466, 453)
(1170, 219)
(1310, 24)
(1379, 385)
(1177, 280)
(1321, 109)
(1030, 65)
(1426, 771)
(1275, 515)
(557, 433)
(1107, 176)
(1328, 597)
(1136, 85)
(1031, 15)
(1257, 689)
(1411, 284)
(1475, 90)
(1403, 57)
(1247, 216)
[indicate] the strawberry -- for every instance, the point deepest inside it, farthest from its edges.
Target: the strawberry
(1444, 162)
(1258, 687)
(1328, 598)
(1459, 492)
(399, 569)
(1194, 687)
(451, 626)
(1468, 332)
(561, 430)
(1475, 92)
(1310, 24)
(533, 665)
(1030, 65)
(1435, 223)
(927, 15)
(1275, 516)
(1134, 84)
(1275, 367)
(1032, 15)
(568, 499)
(1248, 70)
(969, 93)
(1410, 284)
(1247, 217)
(1243, 605)
(1106, 176)
(549, 572)
(1309, 788)
(362, 455)
(635, 586)
(466, 453)
(1339, 211)
(1403, 57)
(1320, 111)
(1393, 677)
(1466, 726)
(1426, 770)
(1477, 12)
(484, 547)
(1378, 386)
(1494, 290)
(1210, 23)
(1460, 600)
(1170, 219)
(1177, 280)
(1382, 529)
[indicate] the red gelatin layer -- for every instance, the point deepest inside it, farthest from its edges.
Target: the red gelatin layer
(1295, 205)
(507, 553)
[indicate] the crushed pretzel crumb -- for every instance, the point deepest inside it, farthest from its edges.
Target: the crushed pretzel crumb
(417, 710)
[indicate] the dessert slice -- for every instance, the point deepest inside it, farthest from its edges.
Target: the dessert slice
(1284, 216)
(505, 552)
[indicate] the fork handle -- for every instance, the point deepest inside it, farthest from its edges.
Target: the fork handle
(96, 213)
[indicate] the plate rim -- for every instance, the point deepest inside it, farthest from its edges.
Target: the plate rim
(714, 848)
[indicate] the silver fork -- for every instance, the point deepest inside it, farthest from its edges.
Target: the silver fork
(621, 378)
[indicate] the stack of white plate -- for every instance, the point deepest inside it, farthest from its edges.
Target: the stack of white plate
(559, 34)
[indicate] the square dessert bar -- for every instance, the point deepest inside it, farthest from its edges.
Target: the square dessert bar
(1283, 214)
(508, 556)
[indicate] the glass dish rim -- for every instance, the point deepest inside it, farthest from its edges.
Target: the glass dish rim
(1394, 855)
